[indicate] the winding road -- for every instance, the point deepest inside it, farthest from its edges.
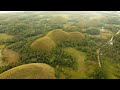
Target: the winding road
(110, 42)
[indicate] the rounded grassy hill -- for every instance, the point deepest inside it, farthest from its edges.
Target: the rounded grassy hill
(49, 41)
(44, 43)
(29, 71)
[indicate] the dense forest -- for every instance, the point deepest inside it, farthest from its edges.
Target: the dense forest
(74, 45)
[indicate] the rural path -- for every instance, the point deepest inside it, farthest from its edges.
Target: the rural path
(98, 50)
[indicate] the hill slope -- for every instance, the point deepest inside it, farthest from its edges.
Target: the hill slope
(44, 43)
(48, 41)
(30, 71)
(80, 57)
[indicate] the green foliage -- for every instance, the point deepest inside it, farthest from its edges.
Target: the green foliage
(98, 74)
(107, 71)
(112, 27)
(61, 58)
(93, 31)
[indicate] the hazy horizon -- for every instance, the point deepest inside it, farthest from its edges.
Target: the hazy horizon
(54, 11)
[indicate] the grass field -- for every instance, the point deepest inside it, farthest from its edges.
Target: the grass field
(80, 71)
(87, 68)
(106, 34)
(29, 71)
(80, 57)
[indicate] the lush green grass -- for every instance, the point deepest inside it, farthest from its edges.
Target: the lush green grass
(29, 71)
(107, 71)
(80, 57)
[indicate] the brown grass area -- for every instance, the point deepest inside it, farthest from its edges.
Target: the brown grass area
(106, 34)
(44, 43)
(29, 71)
(76, 36)
(58, 35)
(10, 56)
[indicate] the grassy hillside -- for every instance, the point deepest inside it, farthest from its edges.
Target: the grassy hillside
(29, 71)
(48, 42)
(76, 36)
(44, 43)
(58, 35)
(79, 72)
(80, 57)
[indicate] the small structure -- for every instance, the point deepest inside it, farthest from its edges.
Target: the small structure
(102, 29)
(101, 54)
(110, 42)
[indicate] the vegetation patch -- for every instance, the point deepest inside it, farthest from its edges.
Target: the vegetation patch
(79, 71)
(5, 37)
